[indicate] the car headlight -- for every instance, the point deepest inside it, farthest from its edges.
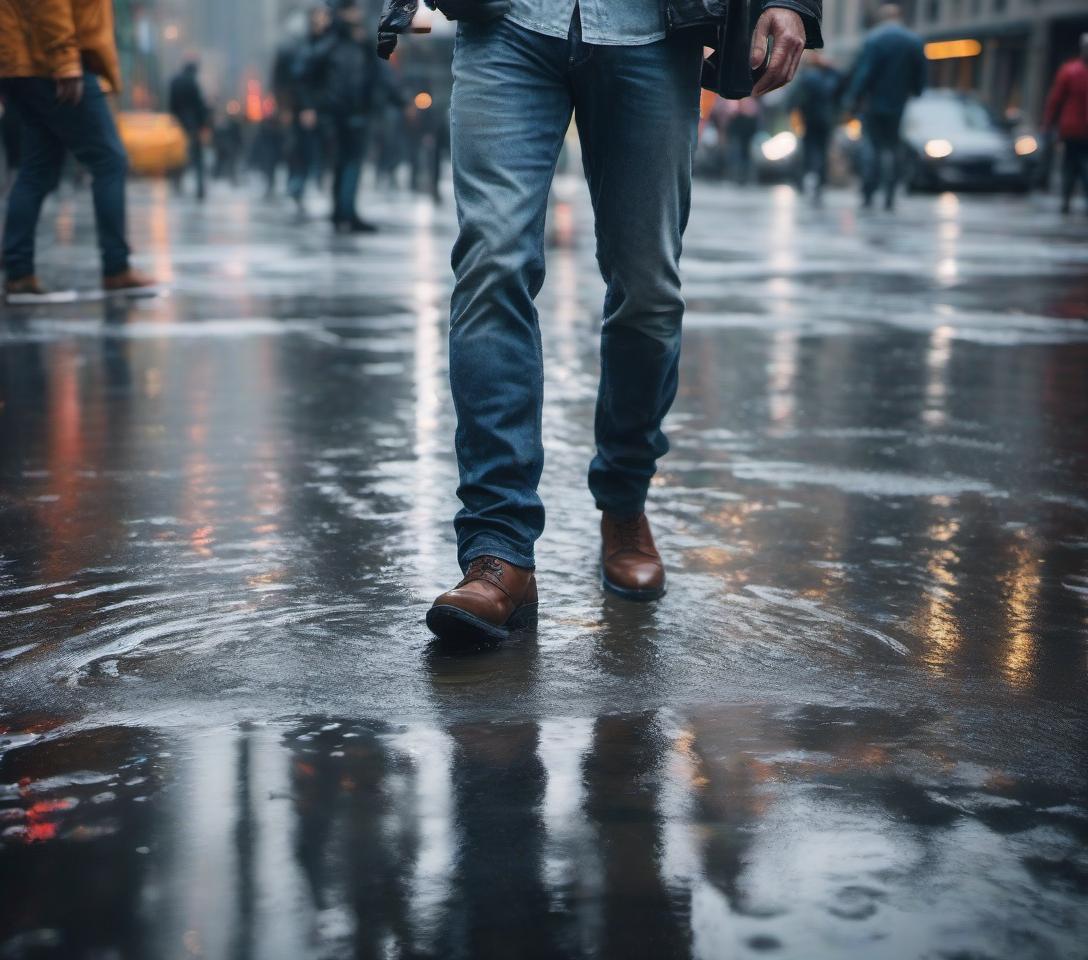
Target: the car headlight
(1025, 146)
(938, 149)
(780, 146)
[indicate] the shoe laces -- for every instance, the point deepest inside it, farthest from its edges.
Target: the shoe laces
(484, 565)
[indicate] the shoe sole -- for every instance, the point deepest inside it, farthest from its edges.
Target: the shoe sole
(136, 293)
(627, 593)
(459, 628)
(31, 299)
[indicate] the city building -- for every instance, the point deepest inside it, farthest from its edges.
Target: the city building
(1006, 51)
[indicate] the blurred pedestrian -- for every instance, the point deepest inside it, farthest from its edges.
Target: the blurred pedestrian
(344, 71)
(815, 95)
(1067, 112)
(740, 131)
(227, 140)
(298, 91)
(52, 53)
(522, 69)
(188, 105)
(270, 146)
(890, 70)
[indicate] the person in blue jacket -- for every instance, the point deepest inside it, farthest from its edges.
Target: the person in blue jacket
(890, 70)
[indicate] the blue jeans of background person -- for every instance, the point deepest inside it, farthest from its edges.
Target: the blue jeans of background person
(48, 129)
(637, 113)
(880, 156)
(350, 136)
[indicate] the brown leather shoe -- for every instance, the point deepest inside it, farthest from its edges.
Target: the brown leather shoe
(130, 282)
(24, 290)
(631, 567)
(494, 599)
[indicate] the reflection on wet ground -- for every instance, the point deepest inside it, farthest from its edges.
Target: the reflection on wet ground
(855, 727)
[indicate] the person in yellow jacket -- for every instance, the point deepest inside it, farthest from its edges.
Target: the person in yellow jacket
(52, 54)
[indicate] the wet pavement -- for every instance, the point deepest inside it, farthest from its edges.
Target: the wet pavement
(855, 727)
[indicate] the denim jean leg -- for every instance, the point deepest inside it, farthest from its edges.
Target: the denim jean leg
(90, 133)
(638, 112)
(510, 109)
(39, 174)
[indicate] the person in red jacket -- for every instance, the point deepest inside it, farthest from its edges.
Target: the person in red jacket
(1067, 110)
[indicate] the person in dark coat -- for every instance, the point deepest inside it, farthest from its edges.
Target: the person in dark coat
(188, 105)
(891, 70)
(344, 71)
(297, 92)
(815, 96)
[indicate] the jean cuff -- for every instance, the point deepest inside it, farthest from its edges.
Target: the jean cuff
(630, 508)
(481, 547)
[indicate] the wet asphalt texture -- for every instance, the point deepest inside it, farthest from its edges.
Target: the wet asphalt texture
(855, 726)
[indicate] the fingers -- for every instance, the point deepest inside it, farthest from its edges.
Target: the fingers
(760, 39)
(775, 75)
(788, 33)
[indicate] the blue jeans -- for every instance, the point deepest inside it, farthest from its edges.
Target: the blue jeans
(637, 113)
(49, 128)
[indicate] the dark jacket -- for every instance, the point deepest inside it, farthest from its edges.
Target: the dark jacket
(298, 73)
(727, 26)
(890, 70)
(815, 95)
(187, 102)
(341, 73)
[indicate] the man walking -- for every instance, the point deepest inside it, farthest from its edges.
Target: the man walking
(890, 70)
(1067, 111)
(630, 74)
(51, 55)
(189, 107)
(816, 98)
(344, 71)
(295, 92)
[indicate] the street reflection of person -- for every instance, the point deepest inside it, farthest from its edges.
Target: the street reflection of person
(630, 74)
(1067, 112)
(816, 98)
(52, 54)
(890, 70)
(190, 109)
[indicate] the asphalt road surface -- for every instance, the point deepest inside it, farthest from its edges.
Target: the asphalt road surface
(855, 726)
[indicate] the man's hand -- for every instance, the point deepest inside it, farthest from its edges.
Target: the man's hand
(787, 31)
(70, 89)
(473, 11)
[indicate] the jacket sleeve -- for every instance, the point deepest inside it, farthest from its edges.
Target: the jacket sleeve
(1054, 99)
(54, 31)
(396, 18)
(810, 12)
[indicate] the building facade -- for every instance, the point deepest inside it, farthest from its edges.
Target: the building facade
(1011, 48)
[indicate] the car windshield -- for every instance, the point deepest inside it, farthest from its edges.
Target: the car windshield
(946, 115)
